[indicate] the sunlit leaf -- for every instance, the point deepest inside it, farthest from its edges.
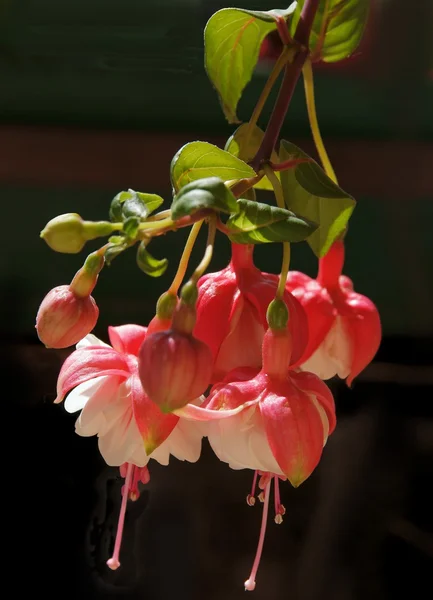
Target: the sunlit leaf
(337, 28)
(197, 160)
(150, 265)
(232, 38)
(309, 192)
(257, 223)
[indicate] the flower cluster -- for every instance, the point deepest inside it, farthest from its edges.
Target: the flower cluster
(239, 356)
(268, 409)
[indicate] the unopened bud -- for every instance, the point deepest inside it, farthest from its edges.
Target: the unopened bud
(68, 233)
(174, 368)
(277, 314)
(64, 318)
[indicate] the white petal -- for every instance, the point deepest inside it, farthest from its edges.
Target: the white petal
(94, 418)
(184, 443)
(323, 417)
(79, 396)
(121, 443)
(241, 442)
(334, 355)
(90, 340)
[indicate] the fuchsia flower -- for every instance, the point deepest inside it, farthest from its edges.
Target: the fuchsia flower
(345, 330)
(275, 422)
(174, 367)
(130, 427)
(231, 314)
(65, 317)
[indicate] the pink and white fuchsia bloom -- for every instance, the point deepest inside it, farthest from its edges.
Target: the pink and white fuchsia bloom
(103, 383)
(275, 422)
(344, 327)
(231, 314)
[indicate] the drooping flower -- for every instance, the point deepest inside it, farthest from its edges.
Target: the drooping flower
(64, 318)
(231, 314)
(345, 329)
(175, 367)
(103, 383)
(274, 422)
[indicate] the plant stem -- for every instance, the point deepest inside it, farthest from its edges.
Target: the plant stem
(208, 252)
(278, 67)
(307, 72)
(186, 254)
(278, 191)
(291, 75)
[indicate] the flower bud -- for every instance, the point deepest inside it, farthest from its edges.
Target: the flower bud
(174, 368)
(68, 233)
(64, 318)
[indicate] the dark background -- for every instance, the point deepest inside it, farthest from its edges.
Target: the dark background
(96, 96)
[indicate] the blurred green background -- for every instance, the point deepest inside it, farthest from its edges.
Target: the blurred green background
(97, 95)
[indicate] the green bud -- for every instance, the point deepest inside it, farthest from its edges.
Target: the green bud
(65, 233)
(68, 233)
(277, 314)
(166, 305)
(189, 293)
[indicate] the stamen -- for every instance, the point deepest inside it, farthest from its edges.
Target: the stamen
(250, 583)
(280, 511)
(142, 475)
(251, 498)
(113, 562)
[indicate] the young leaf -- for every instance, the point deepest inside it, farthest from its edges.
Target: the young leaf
(337, 28)
(130, 227)
(203, 193)
(244, 145)
(309, 192)
(148, 264)
(197, 160)
(133, 204)
(232, 40)
(257, 223)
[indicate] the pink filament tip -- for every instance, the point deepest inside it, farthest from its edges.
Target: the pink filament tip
(113, 564)
(250, 585)
(251, 500)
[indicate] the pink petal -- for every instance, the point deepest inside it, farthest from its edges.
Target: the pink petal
(87, 363)
(313, 385)
(294, 429)
(154, 426)
(127, 339)
(365, 331)
(197, 413)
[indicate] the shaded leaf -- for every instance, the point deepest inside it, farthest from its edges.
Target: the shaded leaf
(311, 193)
(131, 226)
(209, 192)
(244, 145)
(148, 264)
(232, 39)
(257, 223)
(337, 28)
(198, 160)
(133, 204)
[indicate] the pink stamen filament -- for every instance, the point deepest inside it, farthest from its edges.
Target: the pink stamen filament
(279, 508)
(113, 562)
(250, 583)
(251, 498)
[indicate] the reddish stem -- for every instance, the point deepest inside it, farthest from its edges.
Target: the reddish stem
(291, 75)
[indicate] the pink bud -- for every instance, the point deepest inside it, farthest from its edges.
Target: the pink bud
(64, 318)
(174, 367)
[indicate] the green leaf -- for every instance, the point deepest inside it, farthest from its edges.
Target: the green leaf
(131, 226)
(197, 160)
(133, 204)
(114, 250)
(311, 193)
(203, 193)
(257, 223)
(232, 40)
(148, 264)
(245, 146)
(337, 28)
